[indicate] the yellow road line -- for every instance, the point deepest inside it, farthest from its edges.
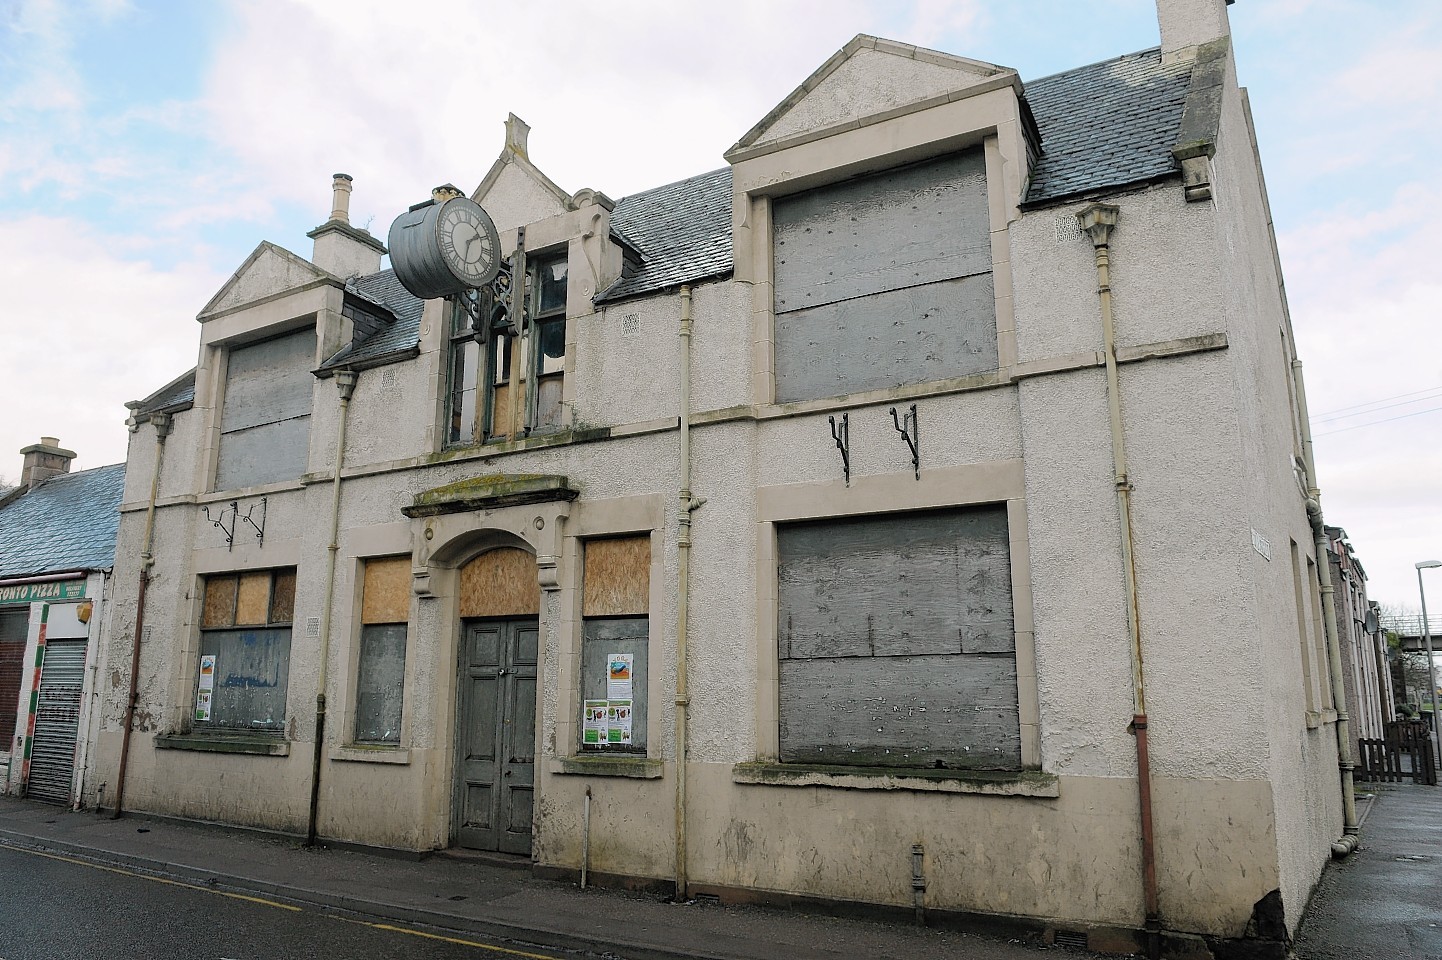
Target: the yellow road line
(456, 940)
(144, 876)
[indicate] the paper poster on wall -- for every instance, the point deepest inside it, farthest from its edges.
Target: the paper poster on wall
(202, 705)
(618, 676)
(595, 727)
(618, 722)
(207, 672)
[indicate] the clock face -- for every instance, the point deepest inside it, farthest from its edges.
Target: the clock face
(468, 242)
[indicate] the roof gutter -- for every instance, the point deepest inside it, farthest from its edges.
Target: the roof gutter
(45, 578)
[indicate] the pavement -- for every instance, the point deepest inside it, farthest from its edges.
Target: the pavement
(485, 898)
(1384, 901)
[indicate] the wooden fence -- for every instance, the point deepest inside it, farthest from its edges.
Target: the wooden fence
(1404, 754)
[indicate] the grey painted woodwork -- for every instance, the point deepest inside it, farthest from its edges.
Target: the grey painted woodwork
(265, 417)
(954, 712)
(601, 639)
(380, 683)
(913, 335)
(495, 776)
(913, 611)
(884, 280)
(252, 668)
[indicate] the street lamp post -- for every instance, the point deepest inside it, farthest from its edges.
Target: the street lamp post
(1427, 641)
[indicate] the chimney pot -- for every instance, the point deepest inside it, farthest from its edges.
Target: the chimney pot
(340, 192)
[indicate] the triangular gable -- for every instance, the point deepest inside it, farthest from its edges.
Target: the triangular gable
(515, 191)
(867, 77)
(267, 271)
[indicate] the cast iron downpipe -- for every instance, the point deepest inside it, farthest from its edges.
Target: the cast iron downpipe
(345, 381)
(683, 592)
(1098, 220)
(162, 424)
(1347, 842)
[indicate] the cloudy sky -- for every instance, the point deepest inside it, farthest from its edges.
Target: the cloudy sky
(147, 147)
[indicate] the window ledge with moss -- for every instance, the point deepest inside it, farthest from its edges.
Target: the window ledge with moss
(1000, 783)
(254, 744)
(637, 768)
(371, 753)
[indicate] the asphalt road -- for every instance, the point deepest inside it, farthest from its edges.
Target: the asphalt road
(58, 908)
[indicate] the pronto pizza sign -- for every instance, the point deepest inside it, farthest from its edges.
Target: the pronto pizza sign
(37, 592)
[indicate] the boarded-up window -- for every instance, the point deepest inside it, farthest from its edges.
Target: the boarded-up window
(14, 623)
(896, 641)
(245, 651)
(381, 673)
(265, 419)
(615, 640)
(884, 280)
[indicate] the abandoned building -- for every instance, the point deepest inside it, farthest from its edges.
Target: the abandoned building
(916, 511)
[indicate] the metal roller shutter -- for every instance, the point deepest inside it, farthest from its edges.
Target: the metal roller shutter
(57, 722)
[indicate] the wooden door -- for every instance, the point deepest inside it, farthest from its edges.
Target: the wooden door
(495, 779)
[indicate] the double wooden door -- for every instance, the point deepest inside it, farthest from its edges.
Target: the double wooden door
(496, 736)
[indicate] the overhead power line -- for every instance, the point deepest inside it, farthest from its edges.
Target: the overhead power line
(1373, 423)
(1340, 412)
(1377, 409)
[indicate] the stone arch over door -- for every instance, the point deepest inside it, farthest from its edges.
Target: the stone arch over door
(485, 568)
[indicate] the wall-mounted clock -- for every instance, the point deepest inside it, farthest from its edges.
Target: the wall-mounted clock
(440, 249)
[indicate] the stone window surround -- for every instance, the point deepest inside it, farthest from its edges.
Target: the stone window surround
(357, 546)
(592, 520)
(318, 304)
(959, 486)
(571, 232)
(989, 114)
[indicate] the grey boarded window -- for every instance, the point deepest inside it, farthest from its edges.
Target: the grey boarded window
(265, 419)
(896, 641)
(884, 280)
(245, 651)
(381, 659)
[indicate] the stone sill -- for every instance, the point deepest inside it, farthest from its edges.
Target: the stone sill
(1317, 719)
(370, 753)
(637, 768)
(1021, 783)
(258, 746)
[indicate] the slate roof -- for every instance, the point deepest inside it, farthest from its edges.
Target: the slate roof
(68, 522)
(683, 231)
(383, 289)
(178, 393)
(1106, 125)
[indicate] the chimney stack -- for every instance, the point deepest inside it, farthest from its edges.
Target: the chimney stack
(340, 248)
(1187, 24)
(44, 460)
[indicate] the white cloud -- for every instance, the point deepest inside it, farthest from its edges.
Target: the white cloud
(113, 329)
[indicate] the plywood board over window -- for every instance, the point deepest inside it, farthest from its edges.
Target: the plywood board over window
(617, 577)
(884, 280)
(386, 592)
(501, 583)
(896, 641)
(265, 413)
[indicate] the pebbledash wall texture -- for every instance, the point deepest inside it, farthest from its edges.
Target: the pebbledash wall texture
(878, 559)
